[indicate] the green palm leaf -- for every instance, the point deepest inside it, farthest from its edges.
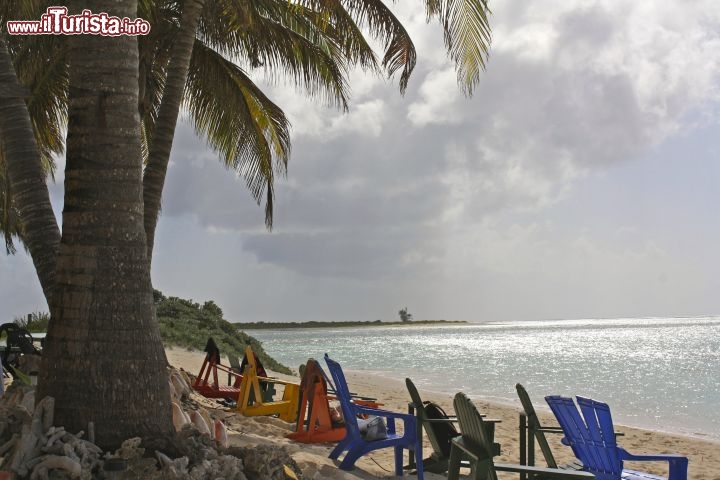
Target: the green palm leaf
(250, 132)
(373, 15)
(282, 39)
(467, 36)
(382, 24)
(40, 66)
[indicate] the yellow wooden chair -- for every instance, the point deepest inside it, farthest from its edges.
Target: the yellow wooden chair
(251, 401)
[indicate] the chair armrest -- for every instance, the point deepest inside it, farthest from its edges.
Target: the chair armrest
(409, 421)
(539, 472)
(379, 412)
(547, 429)
(441, 420)
(678, 463)
(625, 455)
(274, 380)
(355, 396)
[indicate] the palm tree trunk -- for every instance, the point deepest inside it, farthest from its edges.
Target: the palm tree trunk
(40, 232)
(104, 361)
(162, 138)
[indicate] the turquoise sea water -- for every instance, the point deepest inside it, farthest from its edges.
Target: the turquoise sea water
(658, 373)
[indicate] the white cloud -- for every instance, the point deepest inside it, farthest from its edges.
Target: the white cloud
(439, 93)
(463, 207)
(365, 119)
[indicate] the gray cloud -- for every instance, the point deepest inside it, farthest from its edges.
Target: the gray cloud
(550, 193)
(451, 203)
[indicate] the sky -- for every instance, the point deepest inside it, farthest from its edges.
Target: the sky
(581, 180)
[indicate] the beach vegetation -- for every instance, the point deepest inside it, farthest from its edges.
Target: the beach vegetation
(187, 324)
(34, 322)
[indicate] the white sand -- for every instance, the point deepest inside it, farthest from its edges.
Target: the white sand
(704, 455)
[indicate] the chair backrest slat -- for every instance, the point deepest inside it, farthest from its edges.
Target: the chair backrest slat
(576, 431)
(534, 424)
(474, 433)
(599, 421)
(342, 392)
(587, 436)
(423, 418)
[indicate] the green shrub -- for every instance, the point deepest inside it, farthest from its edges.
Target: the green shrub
(34, 322)
(184, 323)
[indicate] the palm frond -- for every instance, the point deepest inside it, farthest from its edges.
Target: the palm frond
(41, 65)
(22, 10)
(249, 131)
(322, 29)
(382, 24)
(467, 36)
(283, 39)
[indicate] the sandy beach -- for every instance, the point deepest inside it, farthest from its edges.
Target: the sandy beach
(704, 455)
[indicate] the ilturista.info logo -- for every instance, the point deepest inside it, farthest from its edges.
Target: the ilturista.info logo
(56, 21)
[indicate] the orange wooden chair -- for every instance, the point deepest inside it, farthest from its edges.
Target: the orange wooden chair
(314, 422)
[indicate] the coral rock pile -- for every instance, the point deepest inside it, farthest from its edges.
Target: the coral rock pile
(31, 447)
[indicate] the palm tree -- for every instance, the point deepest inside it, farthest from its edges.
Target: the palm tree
(25, 163)
(266, 33)
(104, 361)
(86, 334)
(250, 132)
(26, 200)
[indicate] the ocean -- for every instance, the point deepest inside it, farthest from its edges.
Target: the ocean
(656, 373)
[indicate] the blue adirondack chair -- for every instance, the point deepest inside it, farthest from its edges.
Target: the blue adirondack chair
(592, 438)
(355, 445)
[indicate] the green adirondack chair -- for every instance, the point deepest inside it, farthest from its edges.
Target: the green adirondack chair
(438, 460)
(439, 432)
(475, 443)
(536, 431)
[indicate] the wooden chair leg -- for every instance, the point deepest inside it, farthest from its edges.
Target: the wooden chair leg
(454, 463)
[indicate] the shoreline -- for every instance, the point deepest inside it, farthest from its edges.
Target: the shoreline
(704, 454)
(641, 370)
(331, 324)
(387, 382)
